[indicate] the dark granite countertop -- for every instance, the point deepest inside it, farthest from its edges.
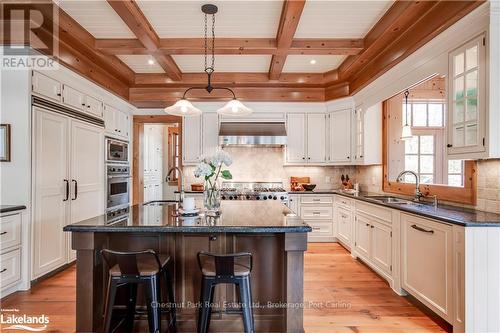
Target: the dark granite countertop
(11, 208)
(315, 191)
(236, 217)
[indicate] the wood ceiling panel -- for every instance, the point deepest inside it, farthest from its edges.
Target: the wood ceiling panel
(98, 18)
(340, 19)
(141, 63)
(302, 63)
(184, 19)
(224, 63)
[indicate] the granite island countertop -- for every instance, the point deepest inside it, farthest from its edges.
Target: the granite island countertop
(236, 217)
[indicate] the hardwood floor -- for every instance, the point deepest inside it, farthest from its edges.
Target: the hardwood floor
(342, 294)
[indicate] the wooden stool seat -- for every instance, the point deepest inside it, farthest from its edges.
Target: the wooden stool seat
(146, 267)
(208, 269)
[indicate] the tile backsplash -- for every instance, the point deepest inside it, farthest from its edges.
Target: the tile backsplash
(266, 164)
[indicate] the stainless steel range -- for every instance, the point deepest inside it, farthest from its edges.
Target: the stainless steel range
(254, 191)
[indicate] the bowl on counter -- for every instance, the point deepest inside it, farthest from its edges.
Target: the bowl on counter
(308, 187)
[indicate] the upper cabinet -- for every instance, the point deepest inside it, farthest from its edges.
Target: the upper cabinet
(54, 90)
(200, 137)
(117, 123)
(306, 138)
(467, 102)
(367, 135)
(339, 125)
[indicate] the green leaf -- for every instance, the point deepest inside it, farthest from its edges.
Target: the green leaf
(226, 174)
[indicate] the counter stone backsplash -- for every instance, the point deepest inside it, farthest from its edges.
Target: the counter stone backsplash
(266, 164)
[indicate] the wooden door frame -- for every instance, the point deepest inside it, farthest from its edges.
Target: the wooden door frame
(138, 153)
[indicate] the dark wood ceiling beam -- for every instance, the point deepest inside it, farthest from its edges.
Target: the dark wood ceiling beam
(326, 46)
(141, 95)
(134, 18)
(437, 19)
(289, 20)
(231, 79)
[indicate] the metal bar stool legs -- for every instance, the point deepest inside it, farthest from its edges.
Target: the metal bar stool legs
(217, 269)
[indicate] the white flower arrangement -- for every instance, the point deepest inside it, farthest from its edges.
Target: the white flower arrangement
(211, 168)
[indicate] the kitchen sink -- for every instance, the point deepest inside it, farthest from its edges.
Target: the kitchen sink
(393, 200)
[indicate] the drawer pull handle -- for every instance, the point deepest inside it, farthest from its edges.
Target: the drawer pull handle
(212, 238)
(316, 228)
(344, 216)
(316, 213)
(3, 232)
(416, 227)
(367, 225)
(316, 199)
(3, 270)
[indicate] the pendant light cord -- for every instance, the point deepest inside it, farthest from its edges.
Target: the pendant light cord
(406, 104)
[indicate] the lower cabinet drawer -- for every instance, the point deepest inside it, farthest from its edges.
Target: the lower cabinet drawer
(316, 212)
(10, 231)
(10, 267)
(320, 228)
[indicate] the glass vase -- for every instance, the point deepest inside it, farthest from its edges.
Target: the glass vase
(211, 200)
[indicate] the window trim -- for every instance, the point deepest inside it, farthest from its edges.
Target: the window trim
(464, 195)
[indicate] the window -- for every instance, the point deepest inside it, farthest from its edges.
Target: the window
(420, 158)
(424, 113)
(456, 173)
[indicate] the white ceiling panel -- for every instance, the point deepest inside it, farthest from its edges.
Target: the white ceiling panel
(141, 63)
(224, 63)
(312, 63)
(97, 17)
(236, 18)
(340, 19)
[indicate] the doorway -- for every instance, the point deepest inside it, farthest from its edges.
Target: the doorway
(157, 147)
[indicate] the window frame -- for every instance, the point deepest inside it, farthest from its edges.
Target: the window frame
(464, 195)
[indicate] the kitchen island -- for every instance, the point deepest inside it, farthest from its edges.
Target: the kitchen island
(274, 234)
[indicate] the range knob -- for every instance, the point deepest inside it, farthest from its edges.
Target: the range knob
(248, 197)
(258, 198)
(270, 196)
(230, 197)
(265, 198)
(282, 198)
(275, 198)
(223, 197)
(113, 169)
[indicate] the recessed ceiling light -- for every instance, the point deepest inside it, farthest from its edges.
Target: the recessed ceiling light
(312, 62)
(151, 62)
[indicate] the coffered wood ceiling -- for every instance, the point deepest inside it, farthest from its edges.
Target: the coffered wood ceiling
(149, 52)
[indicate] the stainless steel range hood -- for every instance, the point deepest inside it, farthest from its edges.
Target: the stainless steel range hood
(252, 134)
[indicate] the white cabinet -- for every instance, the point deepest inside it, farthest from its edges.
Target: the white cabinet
(117, 123)
(94, 106)
(362, 239)
(317, 211)
(73, 98)
(467, 99)
(316, 138)
(46, 86)
(381, 246)
(68, 184)
(426, 259)
(154, 149)
(293, 203)
(306, 138)
(191, 140)
(10, 268)
(200, 137)
(339, 136)
(10, 231)
(296, 138)
(10, 251)
(343, 218)
(210, 133)
(359, 134)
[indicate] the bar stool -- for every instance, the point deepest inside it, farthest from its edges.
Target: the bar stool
(225, 268)
(132, 268)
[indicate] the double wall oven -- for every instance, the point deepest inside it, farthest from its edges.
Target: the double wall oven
(118, 176)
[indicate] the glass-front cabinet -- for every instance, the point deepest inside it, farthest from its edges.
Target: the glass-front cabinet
(467, 98)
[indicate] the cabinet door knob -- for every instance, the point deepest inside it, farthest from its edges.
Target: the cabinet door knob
(58, 94)
(348, 157)
(212, 238)
(449, 145)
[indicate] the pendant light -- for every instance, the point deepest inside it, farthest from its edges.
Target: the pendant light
(406, 131)
(185, 108)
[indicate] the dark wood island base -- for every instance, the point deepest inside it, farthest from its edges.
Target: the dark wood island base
(277, 277)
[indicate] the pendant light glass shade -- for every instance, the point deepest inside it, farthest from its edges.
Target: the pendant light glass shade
(235, 108)
(181, 108)
(406, 133)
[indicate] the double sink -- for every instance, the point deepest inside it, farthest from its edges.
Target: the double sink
(396, 201)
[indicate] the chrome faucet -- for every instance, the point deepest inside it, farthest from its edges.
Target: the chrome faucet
(181, 198)
(418, 194)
